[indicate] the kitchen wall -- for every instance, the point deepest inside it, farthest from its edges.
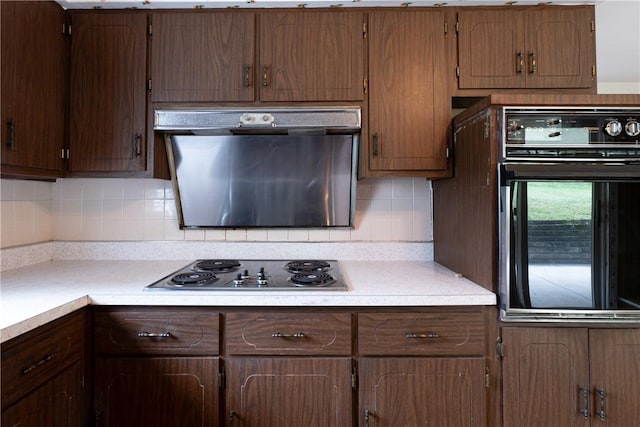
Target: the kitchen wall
(390, 209)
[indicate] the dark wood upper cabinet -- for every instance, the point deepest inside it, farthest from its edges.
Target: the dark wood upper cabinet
(311, 56)
(202, 57)
(108, 93)
(409, 104)
(33, 73)
(533, 48)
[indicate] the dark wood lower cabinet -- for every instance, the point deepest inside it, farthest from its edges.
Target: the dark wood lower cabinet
(422, 392)
(57, 403)
(564, 377)
(156, 392)
(289, 392)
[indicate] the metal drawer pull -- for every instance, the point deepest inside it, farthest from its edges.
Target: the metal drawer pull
(41, 362)
(533, 67)
(602, 413)
(152, 335)
(427, 335)
(281, 335)
(520, 61)
(584, 393)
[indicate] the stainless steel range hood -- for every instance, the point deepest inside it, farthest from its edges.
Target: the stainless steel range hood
(266, 167)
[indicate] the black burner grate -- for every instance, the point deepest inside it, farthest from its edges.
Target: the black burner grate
(307, 266)
(218, 265)
(193, 278)
(319, 279)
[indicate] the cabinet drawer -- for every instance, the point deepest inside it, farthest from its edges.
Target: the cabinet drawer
(40, 355)
(288, 334)
(157, 332)
(458, 334)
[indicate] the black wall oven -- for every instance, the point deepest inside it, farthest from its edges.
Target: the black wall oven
(569, 214)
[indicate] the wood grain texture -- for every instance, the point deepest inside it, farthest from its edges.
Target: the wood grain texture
(408, 98)
(322, 334)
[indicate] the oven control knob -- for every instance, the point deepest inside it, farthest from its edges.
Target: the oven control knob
(613, 128)
(632, 128)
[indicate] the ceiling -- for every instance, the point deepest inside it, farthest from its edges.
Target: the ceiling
(617, 29)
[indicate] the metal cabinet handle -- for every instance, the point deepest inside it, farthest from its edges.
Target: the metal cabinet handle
(11, 142)
(246, 70)
(520, 62)
(366, 418)
(376, 144)
(154, 335)
(281, 335)
(232, 415)
(533, 66)
(584, 396)
(137, 145)
(602, 412)
(427, 335)
(265, 75)
(39, 363)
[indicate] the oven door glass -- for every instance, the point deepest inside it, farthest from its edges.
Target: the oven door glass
(574, 244)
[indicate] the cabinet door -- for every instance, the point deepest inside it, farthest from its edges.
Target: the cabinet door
(311, 56)
(203, 57)
(615, 370)
(545, 373)
(57, 403)
(408, 103)
(33, 88)
(444, 392)
(310, 392)
(491, 49)
(108, 92)
(156, 392)
(560, 48)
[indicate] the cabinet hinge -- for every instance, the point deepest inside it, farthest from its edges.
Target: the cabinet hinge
(364, 30)
(593, 71)
(64, 153)
(593, 26)
(457, 27)
(221, 379)
(365, 84)
(149, 85)
(457, 72)
(150, 29)
(354, 379)
(499, 348)
(486, 377)
(446, 29)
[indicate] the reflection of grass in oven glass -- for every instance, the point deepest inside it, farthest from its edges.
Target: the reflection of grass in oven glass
(559, 201)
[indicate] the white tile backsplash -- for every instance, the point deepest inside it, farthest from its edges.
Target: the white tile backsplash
(114, 209)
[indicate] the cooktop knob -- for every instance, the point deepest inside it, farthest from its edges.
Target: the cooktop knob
(632, 128)
(613, 128)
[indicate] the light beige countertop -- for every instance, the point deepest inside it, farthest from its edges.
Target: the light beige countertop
(36, 294)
